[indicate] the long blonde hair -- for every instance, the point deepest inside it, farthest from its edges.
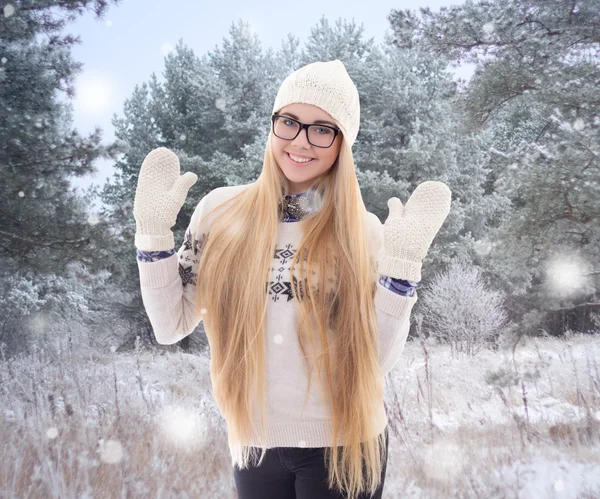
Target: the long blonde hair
(234, 269)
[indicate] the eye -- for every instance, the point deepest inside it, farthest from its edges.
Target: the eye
(323, 131)
(288, 122)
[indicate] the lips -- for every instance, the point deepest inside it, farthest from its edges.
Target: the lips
(297, 163)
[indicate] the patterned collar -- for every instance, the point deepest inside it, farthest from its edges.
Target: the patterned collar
(297, 206)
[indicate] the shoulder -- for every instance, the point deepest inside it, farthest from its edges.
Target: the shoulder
(372, 224)
(219, 196)
(216, 198)
(373, 232)
(228, 191)
(222, 194)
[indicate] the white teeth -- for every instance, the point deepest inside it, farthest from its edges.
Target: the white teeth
(300, 160)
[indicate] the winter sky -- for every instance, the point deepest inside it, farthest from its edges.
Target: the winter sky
(125, 48)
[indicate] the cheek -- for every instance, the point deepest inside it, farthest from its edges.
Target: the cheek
(329, 160)
(333, 152)
(277, 147)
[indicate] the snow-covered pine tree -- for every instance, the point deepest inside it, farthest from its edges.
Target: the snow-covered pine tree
(44, 224)
(536, 87)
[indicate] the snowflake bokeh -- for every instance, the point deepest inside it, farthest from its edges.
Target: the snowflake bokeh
(567, 275)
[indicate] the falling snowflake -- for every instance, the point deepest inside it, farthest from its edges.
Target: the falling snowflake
(220, 103)
(578, 124)
(93, 219)
(566, 275)
(482, 248)
(39, 323)
(21, 194)
(184, 427)
(52, 433)
(443, 461)
(111, 452)
(9, 10)
(488, 28)
(165, 48)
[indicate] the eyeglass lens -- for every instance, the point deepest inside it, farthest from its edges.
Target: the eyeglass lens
(318, 135)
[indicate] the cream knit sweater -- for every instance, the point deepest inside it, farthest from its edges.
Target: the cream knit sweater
(168, 290)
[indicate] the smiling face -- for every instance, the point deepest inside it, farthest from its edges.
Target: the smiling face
(301, 175)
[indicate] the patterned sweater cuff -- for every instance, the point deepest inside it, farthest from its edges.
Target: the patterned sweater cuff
(398, 286)
(153, 256)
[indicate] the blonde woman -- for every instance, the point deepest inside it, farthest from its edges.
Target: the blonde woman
(305, 296)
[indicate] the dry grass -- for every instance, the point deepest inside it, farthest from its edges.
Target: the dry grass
(488, 426)
(88, 430)
(492, 426)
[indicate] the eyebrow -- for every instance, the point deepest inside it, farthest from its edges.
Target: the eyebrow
(318, 122)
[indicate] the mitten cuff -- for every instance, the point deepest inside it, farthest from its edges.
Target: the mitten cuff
(399, 269)
(154, 243)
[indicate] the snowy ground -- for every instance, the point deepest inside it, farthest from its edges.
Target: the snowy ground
(492, 426)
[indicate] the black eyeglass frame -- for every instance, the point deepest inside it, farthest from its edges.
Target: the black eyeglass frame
(304, 126)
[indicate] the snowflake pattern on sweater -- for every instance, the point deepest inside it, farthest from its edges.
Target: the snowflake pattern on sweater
(189, 257)
(280, 287)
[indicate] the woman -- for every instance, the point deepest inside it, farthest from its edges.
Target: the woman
(305, 296)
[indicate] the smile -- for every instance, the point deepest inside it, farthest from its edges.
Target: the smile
(298, 160)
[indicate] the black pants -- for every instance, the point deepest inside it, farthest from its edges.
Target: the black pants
(294, 473)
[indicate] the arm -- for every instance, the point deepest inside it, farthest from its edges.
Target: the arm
(394, 300)
(166, 280)
(406, 235)
(393, 320)
(168, 284)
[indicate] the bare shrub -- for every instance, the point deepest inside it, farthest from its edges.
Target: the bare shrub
(461, 310)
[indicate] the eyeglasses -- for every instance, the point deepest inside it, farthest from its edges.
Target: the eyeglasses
(287, 128)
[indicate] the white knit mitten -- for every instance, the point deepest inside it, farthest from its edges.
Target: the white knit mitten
(409, 230)
(159, 196)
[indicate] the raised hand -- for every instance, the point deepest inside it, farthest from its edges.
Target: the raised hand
(159, 196)
(409, 230)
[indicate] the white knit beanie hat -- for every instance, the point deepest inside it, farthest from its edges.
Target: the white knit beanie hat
(326, 85)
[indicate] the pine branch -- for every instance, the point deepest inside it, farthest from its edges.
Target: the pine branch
(576, 306)
(44, 242)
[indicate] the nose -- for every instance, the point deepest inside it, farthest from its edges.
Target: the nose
(302, 139)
